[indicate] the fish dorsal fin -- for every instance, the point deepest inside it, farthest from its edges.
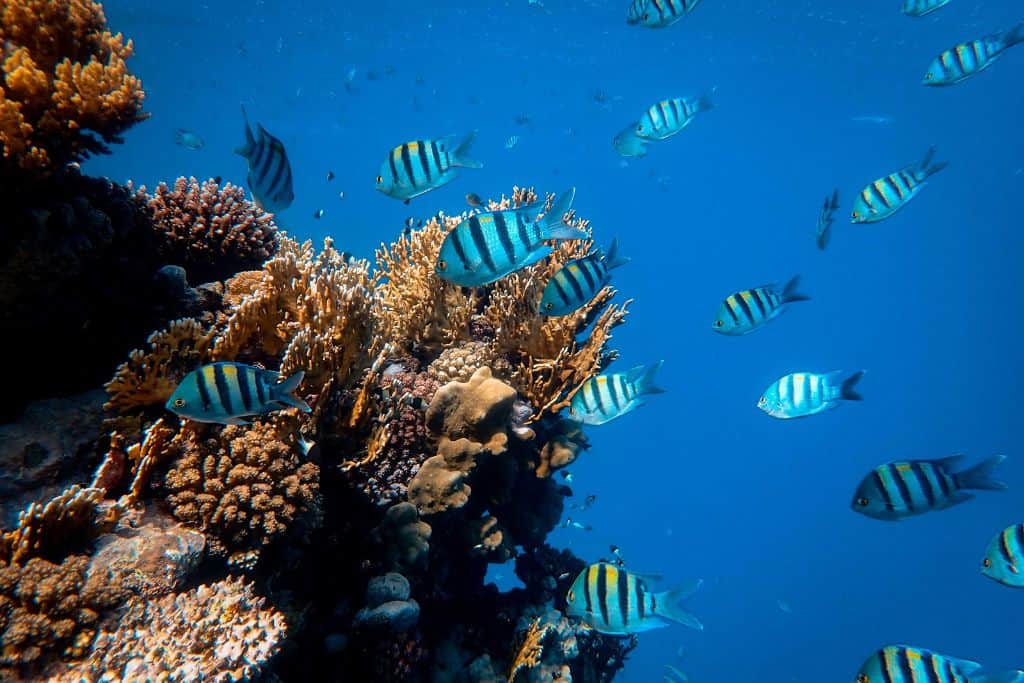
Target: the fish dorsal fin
(949, 463)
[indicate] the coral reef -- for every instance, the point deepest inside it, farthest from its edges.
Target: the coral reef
(211, 231)
(66, 89)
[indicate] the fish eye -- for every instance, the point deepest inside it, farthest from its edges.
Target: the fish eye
(928, 76)
(986, 563)
(548, 306)
(863, 678)
(442, 265)
(718, 323)
(863, 502)
(179, 403)
(380, 179)
(856, 214)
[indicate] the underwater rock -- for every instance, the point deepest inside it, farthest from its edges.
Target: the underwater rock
(391, 586)
(395, 615)
(404, 536)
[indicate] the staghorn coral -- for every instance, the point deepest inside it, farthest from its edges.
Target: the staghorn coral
(312, 313)
(530, 650)
(217, 632)
(211, 231)
(66, 91)
(149, 378)
(242, 487)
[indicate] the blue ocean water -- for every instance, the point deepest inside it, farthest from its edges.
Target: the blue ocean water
(810, 96)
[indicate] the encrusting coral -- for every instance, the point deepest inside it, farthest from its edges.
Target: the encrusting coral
(66, 90)
(210, 230)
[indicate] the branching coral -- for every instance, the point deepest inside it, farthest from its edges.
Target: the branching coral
(216, 632)
(66, 89)
(211, 231)
(530, 650)
(243, 487)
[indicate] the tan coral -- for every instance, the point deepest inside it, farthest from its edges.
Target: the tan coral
(561, 445)
(244, 487)
(530, 650)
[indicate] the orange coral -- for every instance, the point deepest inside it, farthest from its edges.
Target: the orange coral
(66, 91)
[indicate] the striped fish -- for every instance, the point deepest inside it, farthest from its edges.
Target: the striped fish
(603, 398)
(668, 117)
(614, 601)
(905, 664)
(919, 8)
(887, 195)
(746, 311)
(801, 394)
(227, 392)
(825, 219)
(578, 281)
(270, 174)
(898, 490)
(488, 246)
(1004, 558)
(966, 59)
(658, 13)
(417, 167)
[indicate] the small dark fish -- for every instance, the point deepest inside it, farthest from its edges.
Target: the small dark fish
(420, 80)
(389, 70)
(473, 199)
(341, 195)
(330, 176)
(826, 218)
(567, 475)
(410, 222)
(600, 96)
(187, 139)
(318, 214)
(406, 231)
(522, 119)
(371, 75)
(217, 179)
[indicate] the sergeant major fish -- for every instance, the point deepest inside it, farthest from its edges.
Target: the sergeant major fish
(887, 195)
(658, 13)
(417, 167)
(226, 393)
(1004, 557)
(898, 490)
(488, 246)
(919, 8)
(270, 174)
(906, 664)
(578, 281)
(966, 59)
(668, 117)
(614, 601)
(603, 398)
(801, 394)
(826, 218)
(747, 310)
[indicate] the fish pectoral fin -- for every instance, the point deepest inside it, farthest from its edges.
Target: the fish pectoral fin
(538, 254)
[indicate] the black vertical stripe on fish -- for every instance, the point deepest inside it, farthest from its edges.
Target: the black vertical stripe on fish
(756, 296)
(602, 593)
(394, 169)
(204, 391)
(477, 234)
(640, 606)
(951, 673)
(460, 250)
(524, 237)
(584, 267)
(1004, 548)
(407, 163)
(501, 227)
(574, 283)
(943, 481)
(619, 388)
(933, 667)
(732, 311)
(536, 232)
(959, 59)
(242, 380)
(894, 185)
(583, 393)
(908, 180)
(437, 157)
(884, 489)
(421, 146)
(1019, 531)
(614, 394)
(924, 483)
(222, 388)
(280, 173)
(586, 594)
(654, 603)
(906, 668)
(901, 484)
(881, 195)
(623, 597)
(260, 149)
(746, 308)
(597, 397)
(258, 379)
(559, 289)
(265, 159)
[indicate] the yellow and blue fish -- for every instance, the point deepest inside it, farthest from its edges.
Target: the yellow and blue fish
(488, 246)
(966, 59)
(919, 8)
(906, 664)
(747, 310)
(907, 488)
(417, 167)
(658, 13)
(1004, 557)
(826, 217)
(578, 281)
(270, 174)
(603, 398)
(802, 394)
(887, 195)
(667, 117)
(226, 393)
(614, 601)
(628, 144)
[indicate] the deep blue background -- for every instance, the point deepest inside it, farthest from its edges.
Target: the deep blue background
(699, 483)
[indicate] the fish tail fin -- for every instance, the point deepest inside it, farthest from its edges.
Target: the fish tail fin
(551, 225)
(927, 168)
(1002, 677)
(823, 238)
(282, 393)
(642, 378)
(250, 141)
(789, 293)
(981, 476)
(670, 604)
(612, 258)
(1015, 35)
(834, 204)
(460, 157)
(848, 391)
(706, 103)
